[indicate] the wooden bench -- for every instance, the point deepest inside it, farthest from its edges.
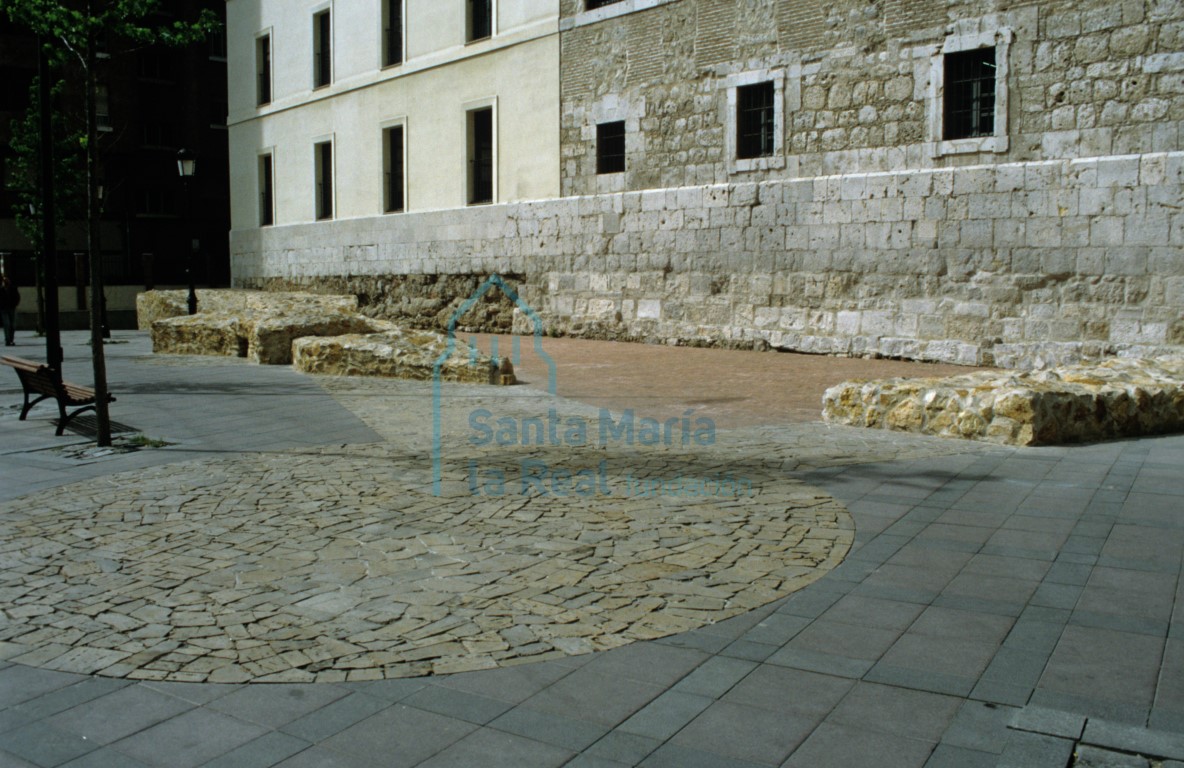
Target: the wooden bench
(44, 382)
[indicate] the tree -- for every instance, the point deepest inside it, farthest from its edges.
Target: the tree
(72, 29)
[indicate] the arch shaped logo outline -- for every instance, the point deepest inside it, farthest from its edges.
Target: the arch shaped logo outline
(491, 282)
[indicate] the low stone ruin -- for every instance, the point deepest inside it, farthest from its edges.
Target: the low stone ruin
(320, 334)
(399, 353)
(1121, 397)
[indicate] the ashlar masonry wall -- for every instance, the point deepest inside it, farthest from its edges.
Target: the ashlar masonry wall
(1022, 264)
(859, 84)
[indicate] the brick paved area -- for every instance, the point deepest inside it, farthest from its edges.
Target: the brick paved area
(998, 606)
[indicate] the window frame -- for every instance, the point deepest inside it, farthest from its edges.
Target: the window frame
(388, 127)
(266, 191)
(264, 55)
(385, 30)
(471, 35)
(602, 157)
(998, 141)
(324, 188)
(471, 165)
(733, 84)
(322, 47)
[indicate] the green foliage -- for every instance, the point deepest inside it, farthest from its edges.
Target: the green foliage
(72, 24)
(69, 162)
(70, 29)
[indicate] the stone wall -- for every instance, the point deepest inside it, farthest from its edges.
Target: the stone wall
(859, 83)
(1021, 264)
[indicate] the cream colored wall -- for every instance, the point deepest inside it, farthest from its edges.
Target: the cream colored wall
(518, 69)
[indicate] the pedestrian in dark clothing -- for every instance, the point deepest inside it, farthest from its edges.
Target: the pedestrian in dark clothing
(10, 297)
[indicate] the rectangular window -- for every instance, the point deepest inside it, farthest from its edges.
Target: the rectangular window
(217, 41)
(610, 147)
(266, 192)
(158, 133)
(263, 69)
(480, 20)
(481, 156)
(392, 32)
(593, 4)
(155, 201)
(322, 50)
(754, 120)
(394, 198)
(324, 180)
(103, 108)
(969, 98)
(156, 65)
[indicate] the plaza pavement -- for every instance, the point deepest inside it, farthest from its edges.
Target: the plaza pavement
(999, 606)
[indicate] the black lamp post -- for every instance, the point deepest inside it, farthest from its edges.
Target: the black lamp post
(186, 167)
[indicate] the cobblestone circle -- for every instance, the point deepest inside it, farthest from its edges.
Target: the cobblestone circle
(341, 564)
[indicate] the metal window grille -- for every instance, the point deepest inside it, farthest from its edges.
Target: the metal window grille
(969, 94)
(325, 180)
(323, 55)
(754, 120)
(610, 147)
(481, 159)
(394, 176)
(266, 199)
(264, 70)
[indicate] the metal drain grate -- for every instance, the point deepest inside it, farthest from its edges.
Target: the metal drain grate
(88, 426)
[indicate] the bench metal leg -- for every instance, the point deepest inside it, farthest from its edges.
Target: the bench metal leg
(29, 405)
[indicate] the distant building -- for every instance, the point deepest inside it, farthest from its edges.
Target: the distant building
(959, 180)
(152, 102)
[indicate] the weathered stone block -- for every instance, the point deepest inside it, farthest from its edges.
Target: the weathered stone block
(1116, 398)
(399, 353)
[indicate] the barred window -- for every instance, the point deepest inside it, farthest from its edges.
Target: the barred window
(755, 120)
(969, 99)
(610, 147)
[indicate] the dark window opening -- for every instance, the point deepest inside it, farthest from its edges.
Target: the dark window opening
(217, 41)
(263, 68)
(610, 147)
(480, 19)
(754, 120)
(394, 170)
(324, 159)
(969, 97)
(266, 193)
(158, 133)
(593, 4)
(322, 50)
(481, 156)
(393, 33)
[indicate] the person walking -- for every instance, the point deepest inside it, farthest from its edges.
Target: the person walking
(10, 297)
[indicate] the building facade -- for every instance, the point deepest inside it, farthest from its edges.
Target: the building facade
(152, 102)
(973, 181)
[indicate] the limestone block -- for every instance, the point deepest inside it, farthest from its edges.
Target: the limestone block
(400, 353)
(158, 305)
(1120, 397)
(200, 334)
(271, 337)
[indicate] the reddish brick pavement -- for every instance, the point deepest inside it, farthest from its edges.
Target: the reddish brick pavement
(734, 388)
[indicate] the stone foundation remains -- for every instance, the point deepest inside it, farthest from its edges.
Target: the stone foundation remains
(320, 334)
(402, 354)
(1117, 398)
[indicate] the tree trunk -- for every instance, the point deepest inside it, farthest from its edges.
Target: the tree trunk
(93, 212)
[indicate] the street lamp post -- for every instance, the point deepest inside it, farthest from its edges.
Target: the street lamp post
(186, 167)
